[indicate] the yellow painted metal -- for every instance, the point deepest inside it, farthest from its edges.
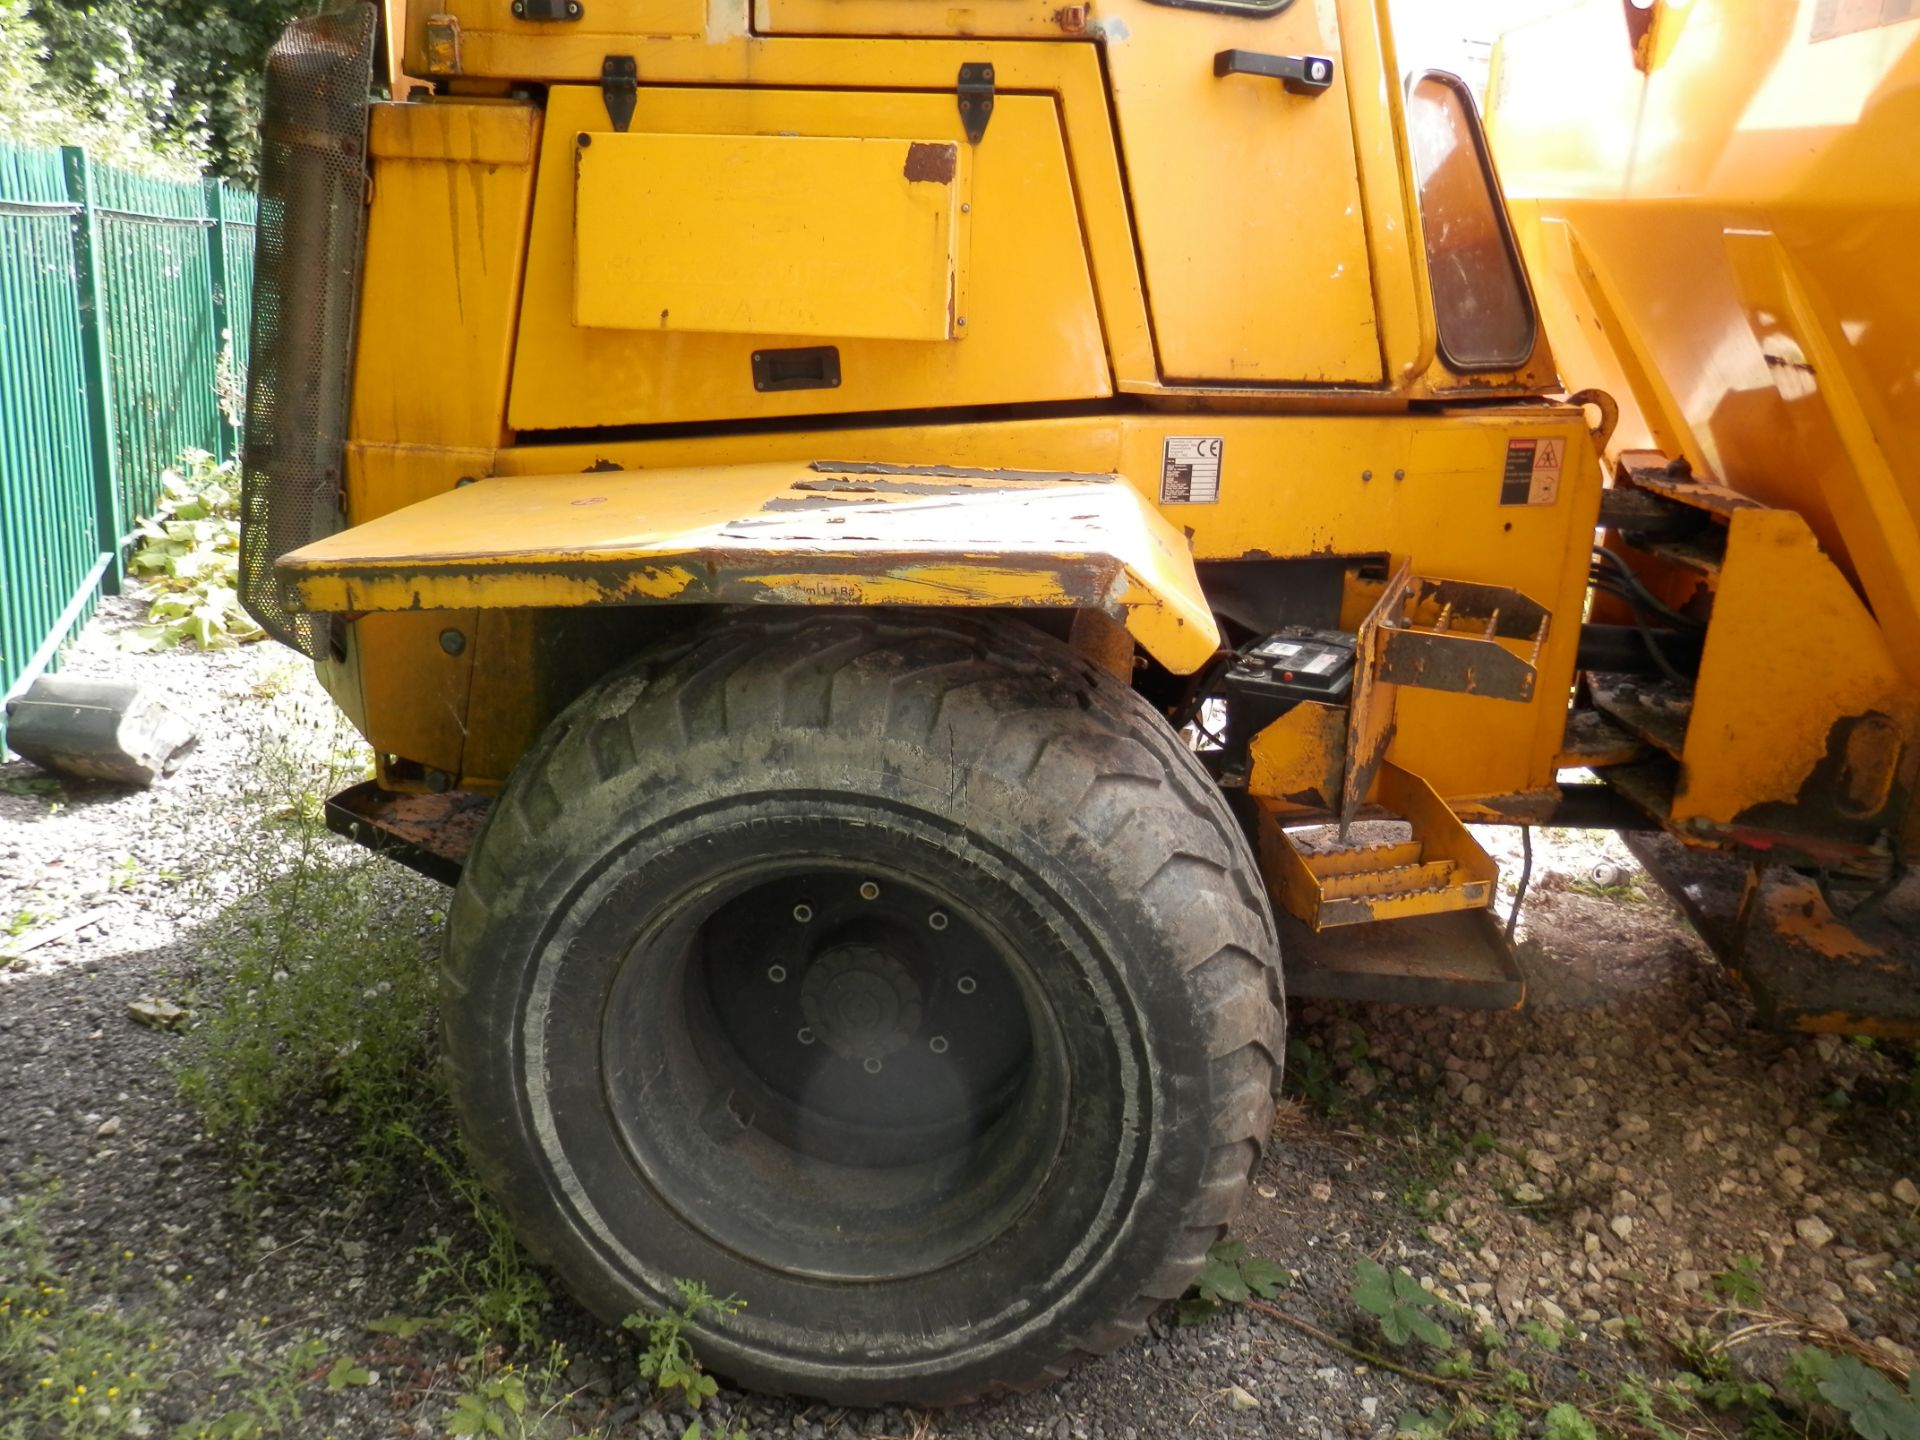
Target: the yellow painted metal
(1299, 759)
(1737, 212)
(446, 246)
(1246, 201)
(1441, 869)
(598, 21)
(1354, 139)
(771, 235)
(1291, 486)
(784, 534)
(1777, 679)
(446, 243)
(1002, 19)
(1029, 315)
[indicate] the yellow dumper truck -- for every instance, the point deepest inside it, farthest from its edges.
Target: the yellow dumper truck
(901, 556)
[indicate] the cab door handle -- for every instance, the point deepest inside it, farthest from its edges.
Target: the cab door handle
(1300, 74)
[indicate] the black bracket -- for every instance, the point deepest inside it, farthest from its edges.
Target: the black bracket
(976, 99)
(1299, 74)
(620, 89)
(548, 10)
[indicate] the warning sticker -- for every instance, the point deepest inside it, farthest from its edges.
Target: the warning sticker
(1532, 476)
(1846, 17)
(1190, 469)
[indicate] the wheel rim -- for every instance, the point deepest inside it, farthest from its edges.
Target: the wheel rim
(869, 1083)
(872, 1023)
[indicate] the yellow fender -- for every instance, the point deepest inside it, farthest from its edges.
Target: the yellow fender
(787, 533)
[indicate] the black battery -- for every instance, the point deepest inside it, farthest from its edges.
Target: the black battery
(1274, 674)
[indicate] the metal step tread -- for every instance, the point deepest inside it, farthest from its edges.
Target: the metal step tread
(1362, 859)
(1422, 877)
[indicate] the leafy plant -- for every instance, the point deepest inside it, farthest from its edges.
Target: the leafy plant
(1740, 1283)
(1874, 1407)
(320, 991)
(190, 552)
(1399, 1302)
(1565, 1422)
(513, 1402)
(1231, 1276)
(486, 1289)
(667, 1361)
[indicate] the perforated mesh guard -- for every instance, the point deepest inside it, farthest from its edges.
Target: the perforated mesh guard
(313, 187)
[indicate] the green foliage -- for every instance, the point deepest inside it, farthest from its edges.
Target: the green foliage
(1231, 1276)
(190, 553)
(78, 1363)
(160, 82)
(1740, 1282)
(513, 1402)
(667, 1361)
(1874, 1407)
(1399, 1303)
(1545, 1336)
(317, 992)
(486, 1289)
(1564, 1422)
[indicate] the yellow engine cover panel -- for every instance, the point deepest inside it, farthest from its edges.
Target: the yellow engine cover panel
(1026, 308)
(758, 253)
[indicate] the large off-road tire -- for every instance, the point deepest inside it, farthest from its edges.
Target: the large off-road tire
(901, 976)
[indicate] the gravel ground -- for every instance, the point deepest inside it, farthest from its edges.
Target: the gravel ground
(1591, 1163)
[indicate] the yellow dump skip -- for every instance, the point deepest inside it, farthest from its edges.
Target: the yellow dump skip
(787, 533)
(834, 237)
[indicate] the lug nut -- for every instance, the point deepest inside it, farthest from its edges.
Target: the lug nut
(869, 890)
(803, 913)
(937, 920)
(871, 1065)
(776, 973)
(805, 1036)
(966, 984)
(938, 1044)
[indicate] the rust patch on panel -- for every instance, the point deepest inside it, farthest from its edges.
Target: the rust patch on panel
(935, 163)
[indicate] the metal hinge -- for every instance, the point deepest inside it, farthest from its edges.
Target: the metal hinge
(620, 89)
(976, 99)
(548, 9)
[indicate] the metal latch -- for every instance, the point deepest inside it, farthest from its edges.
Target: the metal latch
(620, 89)
(548, 9)
(1297, 74)
(976, 99)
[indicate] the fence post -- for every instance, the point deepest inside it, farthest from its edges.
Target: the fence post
(215, 189)
(96, 358)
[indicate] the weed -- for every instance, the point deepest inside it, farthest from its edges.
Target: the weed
(1399, 1303)
(1545, 1336)
(1230, 1277)
(76, 1364)
(190, 552)
(322, 992)
(667, 1361)
(1309, 1075)
(513, 1402)
(1564, 1422)
(487, 1290)
(1740, 1283)
(1874, 1407)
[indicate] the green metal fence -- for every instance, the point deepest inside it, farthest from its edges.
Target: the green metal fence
(124, 302)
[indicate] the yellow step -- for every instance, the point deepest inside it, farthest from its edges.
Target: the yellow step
(1438, 869)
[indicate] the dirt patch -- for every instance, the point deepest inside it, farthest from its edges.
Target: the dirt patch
(1589, 1166)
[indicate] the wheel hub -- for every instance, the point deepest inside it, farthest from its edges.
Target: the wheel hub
(860, 1001)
